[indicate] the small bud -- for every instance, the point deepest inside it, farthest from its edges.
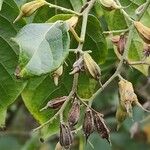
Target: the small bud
(120, 42)
(77, 66)
(143, 31)
(109, 4)
(29, 8)
(101, 127)
(17, 72)
(121, 115)
(57, 73)
(66, 136)
(88, 124)
(146, 50)
(91, 66)
(74, 113)
(140, 9)
(55, 103)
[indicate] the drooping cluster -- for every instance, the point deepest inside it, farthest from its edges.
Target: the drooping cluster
(93, 121)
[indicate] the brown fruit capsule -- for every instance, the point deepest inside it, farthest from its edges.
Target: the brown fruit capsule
(120, 42)
(88, 124)
(55, 103)
(101, 127)
(77, 66)
(143, 31)
(66, 136)
(74, 113)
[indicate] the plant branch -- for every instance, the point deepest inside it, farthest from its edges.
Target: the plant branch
(115, 31)
(124, 56)
(63, 9)
(139, 63)
(75, 80)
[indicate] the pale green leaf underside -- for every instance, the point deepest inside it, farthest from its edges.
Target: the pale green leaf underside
(43, 47)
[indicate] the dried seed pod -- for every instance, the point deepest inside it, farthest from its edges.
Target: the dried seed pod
(109, 4)
(101, 127)
(91, 66)
(120, 42)
(57, 73)
(74, 113)
(66, 136)
(17, 72)
(55, 103)
(121, 115)
(77, 66)
(29, 8)
(143, 31)
(146, 50)
(88, 124)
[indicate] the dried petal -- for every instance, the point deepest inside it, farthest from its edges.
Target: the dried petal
(110, 4)
(88, 124)
(58, 147)
(101, 127)
(91, 66)
(29, 8)
(143, 31)
(66, 136)
(134, 129)
(74, 113)
(55, 103)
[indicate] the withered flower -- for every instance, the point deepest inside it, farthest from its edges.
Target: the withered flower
(88, 124)
(109, 4)
(143, 31)
(66, 136)
(91, 66)
(29, 8)
(74, 113)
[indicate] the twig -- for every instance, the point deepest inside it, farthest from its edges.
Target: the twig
(63, 9)
(139, 63)
(115, 31)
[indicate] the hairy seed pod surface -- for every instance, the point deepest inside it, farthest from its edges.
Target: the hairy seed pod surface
(66, 136)
(101, 127)
(74, 113)
(88, 124)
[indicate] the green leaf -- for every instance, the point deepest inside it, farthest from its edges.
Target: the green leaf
(3, 117)
(1, 2)
(10, 88)
(43, 48)
(95, 41)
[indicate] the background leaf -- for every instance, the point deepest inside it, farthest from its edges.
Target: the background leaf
(10, 88)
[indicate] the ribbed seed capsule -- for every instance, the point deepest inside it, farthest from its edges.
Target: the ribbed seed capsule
(101, 127)
(66, 136)
(143, 31)
(29, 8)
(88, 124)
(56, 74)
(91, 66)
(110, 4)
(55, 103)
(74, 113)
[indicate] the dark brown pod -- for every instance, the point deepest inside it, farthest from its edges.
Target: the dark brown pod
(66, 136)
(88, 124)
(55, 103)
(101, 127)
(74, 113)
